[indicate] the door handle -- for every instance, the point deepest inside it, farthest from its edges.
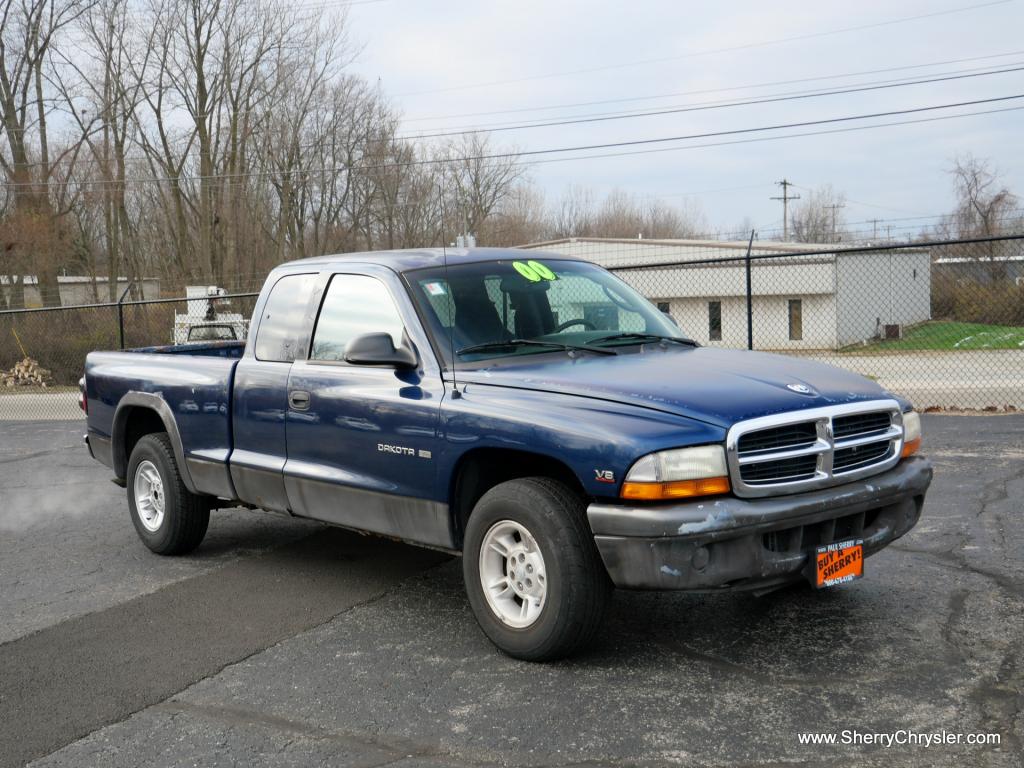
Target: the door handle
(298, 400)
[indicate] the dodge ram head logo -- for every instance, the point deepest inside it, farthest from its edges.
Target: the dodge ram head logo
(803, 389)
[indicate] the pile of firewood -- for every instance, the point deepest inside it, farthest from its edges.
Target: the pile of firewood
(27, 373)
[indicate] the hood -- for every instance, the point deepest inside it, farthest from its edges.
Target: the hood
(717, 386)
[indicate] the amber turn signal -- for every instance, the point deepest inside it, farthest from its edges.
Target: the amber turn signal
(911, 447)
(677, 489)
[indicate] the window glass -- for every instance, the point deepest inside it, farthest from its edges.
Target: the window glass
(282, 323)
(211, 333)
(542, 299)
(714, 321)
(796, 320)
(354, 305)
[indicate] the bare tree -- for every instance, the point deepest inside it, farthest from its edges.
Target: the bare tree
(480, 177)
(818, 217)
(101, 94)
(623, 215)
(36, 228)
(742, 230)
(520, 218)
(574, 213)
(983, 205)
(984, 208)
(210, 139)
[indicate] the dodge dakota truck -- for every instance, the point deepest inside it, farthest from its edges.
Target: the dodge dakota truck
(530, 411)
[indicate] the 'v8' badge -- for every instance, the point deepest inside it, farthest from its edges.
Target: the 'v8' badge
(604, 475)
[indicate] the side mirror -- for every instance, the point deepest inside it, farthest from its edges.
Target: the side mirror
(378, 349)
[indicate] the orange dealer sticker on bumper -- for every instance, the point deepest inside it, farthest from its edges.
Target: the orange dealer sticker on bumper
(839, 563)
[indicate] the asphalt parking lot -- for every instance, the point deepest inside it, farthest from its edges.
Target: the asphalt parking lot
(283, 642)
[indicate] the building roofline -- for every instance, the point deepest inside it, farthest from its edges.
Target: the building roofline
(758, 245)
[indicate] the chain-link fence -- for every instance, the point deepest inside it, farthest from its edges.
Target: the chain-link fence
(939, 322)
(42, 350)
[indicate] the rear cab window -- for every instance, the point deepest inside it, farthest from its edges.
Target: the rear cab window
(283, 320)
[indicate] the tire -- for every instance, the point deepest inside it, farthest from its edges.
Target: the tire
(565, 615)
(171, 520)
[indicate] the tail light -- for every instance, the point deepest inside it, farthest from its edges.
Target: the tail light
(83, 401)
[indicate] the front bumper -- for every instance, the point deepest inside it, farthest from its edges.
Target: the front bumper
(758, 544)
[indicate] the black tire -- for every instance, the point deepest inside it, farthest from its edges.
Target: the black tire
(578, 587)
(186, 516)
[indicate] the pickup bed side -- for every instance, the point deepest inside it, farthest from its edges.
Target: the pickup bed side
(184, 391)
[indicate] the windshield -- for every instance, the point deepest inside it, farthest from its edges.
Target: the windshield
(533, 306)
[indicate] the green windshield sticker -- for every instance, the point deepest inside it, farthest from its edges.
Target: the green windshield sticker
(543, 270)
(534, 271)
(526, 271)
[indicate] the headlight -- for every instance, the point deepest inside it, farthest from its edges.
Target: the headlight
(676, 474)
(911, 433)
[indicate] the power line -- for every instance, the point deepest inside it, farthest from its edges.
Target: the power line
(704, 91)
(866, 205)
(583, 148)
(800, 135)
(709, 52)
(704, 107)
(712, 134)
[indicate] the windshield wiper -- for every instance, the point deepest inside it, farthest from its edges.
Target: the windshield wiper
(512, 343)
(642, 337)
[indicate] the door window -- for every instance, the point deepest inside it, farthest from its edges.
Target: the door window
(354, 305)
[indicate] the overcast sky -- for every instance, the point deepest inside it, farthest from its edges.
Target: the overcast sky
(441, 60)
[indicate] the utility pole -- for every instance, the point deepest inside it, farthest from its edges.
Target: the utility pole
(786, 197)
(834, 208)
(874, 229)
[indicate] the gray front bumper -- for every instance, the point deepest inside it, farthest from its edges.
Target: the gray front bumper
(731, 543)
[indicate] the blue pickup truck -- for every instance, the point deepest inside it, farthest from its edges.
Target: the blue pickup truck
(529, 411)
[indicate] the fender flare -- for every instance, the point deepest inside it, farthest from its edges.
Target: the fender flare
(147, 401)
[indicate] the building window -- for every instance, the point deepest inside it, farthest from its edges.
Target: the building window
(714, 321)
(602, 317)
(796, 320)
(663, 307)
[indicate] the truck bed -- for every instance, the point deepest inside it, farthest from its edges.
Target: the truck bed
(193, 382)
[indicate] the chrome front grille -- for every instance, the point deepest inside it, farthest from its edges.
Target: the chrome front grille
(815, 448)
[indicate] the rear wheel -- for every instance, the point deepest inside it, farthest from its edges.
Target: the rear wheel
(169, 519)
(534, 578)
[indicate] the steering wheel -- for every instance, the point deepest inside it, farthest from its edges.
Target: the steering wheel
(569, 323)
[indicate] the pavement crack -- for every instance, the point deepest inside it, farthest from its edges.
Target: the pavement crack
(35, 454)
(951, 558)
(957, 606)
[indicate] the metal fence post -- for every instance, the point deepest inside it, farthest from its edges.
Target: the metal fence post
(750, 296)
(120, 314)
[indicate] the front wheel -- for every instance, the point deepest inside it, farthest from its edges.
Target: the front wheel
(169, 519)
(534, 578)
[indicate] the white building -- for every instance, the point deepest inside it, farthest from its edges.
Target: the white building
(79, 289)
(813, 301)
